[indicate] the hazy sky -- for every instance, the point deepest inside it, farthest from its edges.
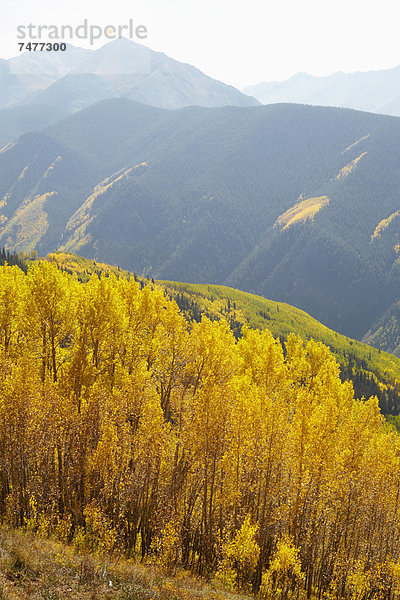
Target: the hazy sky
(239, 42)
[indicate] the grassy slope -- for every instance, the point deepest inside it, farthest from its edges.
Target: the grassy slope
(280, 318)
(33, 568)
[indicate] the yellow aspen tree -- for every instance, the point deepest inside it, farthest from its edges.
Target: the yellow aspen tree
(12, 295)
(49, 315)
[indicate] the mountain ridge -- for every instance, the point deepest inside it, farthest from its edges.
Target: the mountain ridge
(37, 89)
(372, 91)
(210, 188)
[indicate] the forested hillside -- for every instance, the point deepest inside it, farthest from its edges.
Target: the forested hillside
(123, 428)
(371, 371)
(385, 332)
(292, 202)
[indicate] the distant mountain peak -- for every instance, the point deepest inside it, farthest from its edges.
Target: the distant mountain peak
(126, 69)
(76, 78)
(372, 91)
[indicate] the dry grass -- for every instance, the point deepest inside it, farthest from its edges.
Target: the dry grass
(33, 568)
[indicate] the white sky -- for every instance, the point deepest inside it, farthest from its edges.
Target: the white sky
(239, 42)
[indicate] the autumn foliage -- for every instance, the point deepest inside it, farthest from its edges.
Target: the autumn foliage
(123, 428)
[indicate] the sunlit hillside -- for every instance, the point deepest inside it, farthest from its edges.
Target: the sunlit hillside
(127, 429)
(372, 372)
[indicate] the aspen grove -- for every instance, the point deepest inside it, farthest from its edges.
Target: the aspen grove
(125, 428)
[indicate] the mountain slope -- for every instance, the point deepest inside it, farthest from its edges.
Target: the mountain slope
(30, 72)
(385, 332)
(123, 68)
(374, 91)
(21, 78)
(37, 89)
(18, 120)
(280, 200)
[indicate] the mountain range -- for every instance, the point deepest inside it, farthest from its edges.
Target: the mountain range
(30, 72)
(37, 89)
(297, 203)
(372, 91)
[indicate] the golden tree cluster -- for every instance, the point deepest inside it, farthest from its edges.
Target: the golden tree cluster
(124, 428)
